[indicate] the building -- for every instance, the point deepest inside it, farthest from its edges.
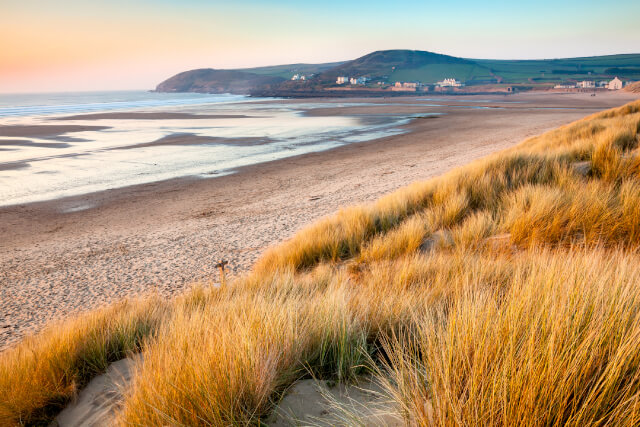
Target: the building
(358, 80)
(586, 84)
(603, 83)
(450, 83)
(564, 86)
(406, 86)
(615, 84)
(342, 80)
(299, 77)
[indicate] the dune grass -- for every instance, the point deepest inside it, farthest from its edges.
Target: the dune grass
(504, 292)
(542, 349)
(39, 376)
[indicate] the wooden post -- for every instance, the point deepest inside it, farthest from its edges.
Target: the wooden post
(221, 266)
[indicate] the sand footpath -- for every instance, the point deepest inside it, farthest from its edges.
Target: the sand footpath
(78, 253)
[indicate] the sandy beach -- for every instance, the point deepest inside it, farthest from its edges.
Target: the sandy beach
(73, 254)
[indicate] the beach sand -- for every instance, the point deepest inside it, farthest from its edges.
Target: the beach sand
(74, 254)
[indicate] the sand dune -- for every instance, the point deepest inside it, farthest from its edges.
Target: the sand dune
(78, 253)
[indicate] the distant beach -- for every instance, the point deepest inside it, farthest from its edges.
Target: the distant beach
(52, 148)
(157, 233)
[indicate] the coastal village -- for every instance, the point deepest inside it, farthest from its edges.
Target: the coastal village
(396, 86)
(401, 86)
(452, 83)
(615, 84)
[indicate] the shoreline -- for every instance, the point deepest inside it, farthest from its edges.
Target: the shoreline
(72, 254)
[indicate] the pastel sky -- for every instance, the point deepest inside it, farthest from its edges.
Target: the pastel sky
(68, 45)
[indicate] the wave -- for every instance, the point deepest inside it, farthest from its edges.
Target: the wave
(25, 105)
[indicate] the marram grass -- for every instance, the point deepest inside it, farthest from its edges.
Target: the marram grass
(506, 292)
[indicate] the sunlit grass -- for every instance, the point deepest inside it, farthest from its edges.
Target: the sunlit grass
(504, 292)
(39, 376)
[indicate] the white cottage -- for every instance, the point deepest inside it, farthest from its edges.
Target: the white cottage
(615, 84)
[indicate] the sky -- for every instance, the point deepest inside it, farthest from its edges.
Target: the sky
(80, 45)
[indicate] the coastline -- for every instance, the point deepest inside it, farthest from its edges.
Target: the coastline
(77, 253)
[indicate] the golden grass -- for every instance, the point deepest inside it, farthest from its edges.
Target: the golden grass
(38, 377)
(545, 350)
(504, 292)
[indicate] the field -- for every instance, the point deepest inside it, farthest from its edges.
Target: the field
(523, 71)
(556, 70)
(437, 72)
(505, 292)
(287, 71)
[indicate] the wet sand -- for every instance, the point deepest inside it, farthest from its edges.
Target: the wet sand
(13, 166)
(77, 253)
(193, 139)
(151, 116)
(45, 131)
(27, 143)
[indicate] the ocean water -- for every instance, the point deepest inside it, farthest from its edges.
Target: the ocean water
(44, 156)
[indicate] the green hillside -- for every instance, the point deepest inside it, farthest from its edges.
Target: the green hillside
(287, 71)
(555, 70)
(433, 73)
(426, 67)
(390, 66)
(386, 64)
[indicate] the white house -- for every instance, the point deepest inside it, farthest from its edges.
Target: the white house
(358, 80)
(342, 80)
(450, 83)
(298, 77)
(587, 84)
(615, 84)
(406, 86)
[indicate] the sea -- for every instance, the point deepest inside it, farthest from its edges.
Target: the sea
(48, 150)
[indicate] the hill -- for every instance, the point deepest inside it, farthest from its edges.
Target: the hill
(391, 66)
(287, 71)
(387, 64)
(505, 292)
(243, 81)
(217, 81)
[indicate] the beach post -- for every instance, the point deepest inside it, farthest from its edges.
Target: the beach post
(221, 266)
